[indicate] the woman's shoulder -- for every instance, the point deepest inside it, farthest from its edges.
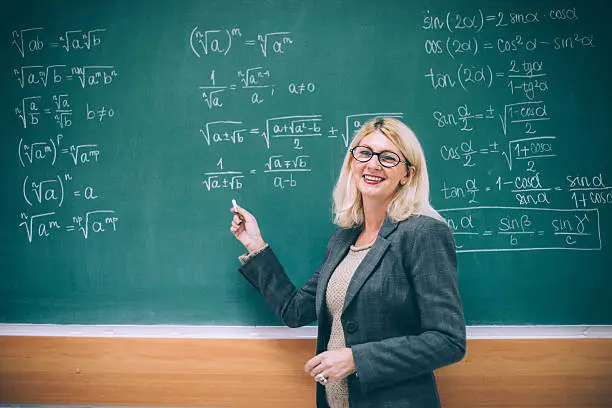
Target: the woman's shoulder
(422, 231)
(423, 223)
(341, 234)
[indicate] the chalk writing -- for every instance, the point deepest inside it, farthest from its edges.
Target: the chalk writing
(43, 193)
(490, 228)
(220, 41)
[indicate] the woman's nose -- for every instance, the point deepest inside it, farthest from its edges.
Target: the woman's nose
(373, 163)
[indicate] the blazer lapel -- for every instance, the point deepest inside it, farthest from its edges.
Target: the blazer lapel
(338, 251)
(369, 263)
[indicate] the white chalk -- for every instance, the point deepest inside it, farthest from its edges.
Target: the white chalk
(235, 204)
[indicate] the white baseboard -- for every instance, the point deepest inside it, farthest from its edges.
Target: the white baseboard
(280, 332)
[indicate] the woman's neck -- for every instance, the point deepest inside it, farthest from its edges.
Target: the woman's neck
(374, 216)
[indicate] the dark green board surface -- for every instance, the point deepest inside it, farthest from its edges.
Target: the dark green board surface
(114, 115)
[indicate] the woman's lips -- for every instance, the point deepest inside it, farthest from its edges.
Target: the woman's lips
(369, 179)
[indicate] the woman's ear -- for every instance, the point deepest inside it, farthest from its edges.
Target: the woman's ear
(408, 176)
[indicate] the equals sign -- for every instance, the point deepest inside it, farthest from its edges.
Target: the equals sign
(232, 87)
(558, 188)
(54, 44)
(69, 77)
(500, 74)
(250, 42)
(487, 45)
(64, 150)
(484, 151)
(486, 233)
(254, 131)
(252, 172)
(47, 110)
(488, 189)
(491, 18)
(540, 232)
(70, 228)
(77, 193)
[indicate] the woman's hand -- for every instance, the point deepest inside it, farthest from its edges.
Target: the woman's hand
(333, 365)
(245, 229)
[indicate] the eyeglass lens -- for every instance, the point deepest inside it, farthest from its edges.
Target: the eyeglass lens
(385, 158)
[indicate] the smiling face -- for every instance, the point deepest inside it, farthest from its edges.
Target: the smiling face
(375, 182)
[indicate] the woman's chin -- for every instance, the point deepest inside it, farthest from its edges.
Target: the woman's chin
(376, 195)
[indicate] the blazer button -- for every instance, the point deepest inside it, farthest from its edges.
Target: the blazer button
(351, 327)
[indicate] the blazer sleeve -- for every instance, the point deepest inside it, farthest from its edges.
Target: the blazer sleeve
(295, 307)
(442, 338)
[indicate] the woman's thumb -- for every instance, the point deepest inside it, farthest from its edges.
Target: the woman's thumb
(244, 214)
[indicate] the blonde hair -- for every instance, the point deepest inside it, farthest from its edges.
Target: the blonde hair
(409, 199)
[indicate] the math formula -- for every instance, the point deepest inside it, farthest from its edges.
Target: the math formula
(261, 104)
(503, 195)
(58, 199)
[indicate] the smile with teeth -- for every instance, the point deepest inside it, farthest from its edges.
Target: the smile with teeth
(372, 179)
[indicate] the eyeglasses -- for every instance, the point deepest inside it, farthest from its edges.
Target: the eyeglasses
(386, 158)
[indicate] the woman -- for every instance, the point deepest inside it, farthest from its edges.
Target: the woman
(386, 296)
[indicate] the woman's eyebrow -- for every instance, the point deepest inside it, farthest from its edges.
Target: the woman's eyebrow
(383, 150)
(391, 151)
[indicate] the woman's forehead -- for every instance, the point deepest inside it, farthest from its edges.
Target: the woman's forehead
(378, 141)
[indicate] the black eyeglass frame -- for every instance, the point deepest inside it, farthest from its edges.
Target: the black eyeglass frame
(377, 154)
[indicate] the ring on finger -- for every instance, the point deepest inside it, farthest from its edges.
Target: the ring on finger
(321, 379)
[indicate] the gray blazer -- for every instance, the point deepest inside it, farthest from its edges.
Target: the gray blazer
(402, 315)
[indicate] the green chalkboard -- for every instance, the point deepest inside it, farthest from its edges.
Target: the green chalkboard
(128, 127)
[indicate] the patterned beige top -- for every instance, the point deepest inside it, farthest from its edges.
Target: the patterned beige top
(337, 392)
